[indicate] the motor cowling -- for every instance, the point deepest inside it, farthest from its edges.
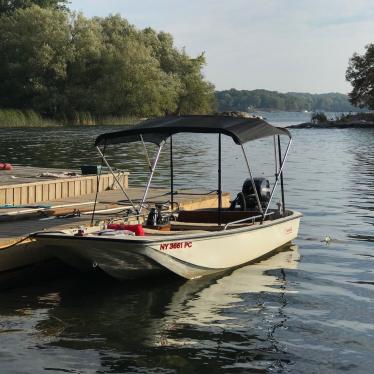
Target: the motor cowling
(246, 199)
(263, 190)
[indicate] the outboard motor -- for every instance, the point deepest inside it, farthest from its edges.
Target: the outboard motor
(156, 218)
(247, 198)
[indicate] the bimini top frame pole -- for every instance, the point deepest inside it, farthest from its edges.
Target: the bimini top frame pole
(146, 153)
(281, 177)
(252, 181)
(115, 177)
(281, 166)
(151, 175)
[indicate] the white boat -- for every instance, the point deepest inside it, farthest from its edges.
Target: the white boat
(188, 243)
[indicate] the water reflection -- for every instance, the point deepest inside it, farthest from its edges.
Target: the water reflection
(361, 183)
(225, 321)
(217, 294)
(196, 317)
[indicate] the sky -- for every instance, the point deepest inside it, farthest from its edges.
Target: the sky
(280, 45)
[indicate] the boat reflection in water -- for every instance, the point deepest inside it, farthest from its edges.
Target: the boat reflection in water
(200, 302)
(229, 318)
(240, 303)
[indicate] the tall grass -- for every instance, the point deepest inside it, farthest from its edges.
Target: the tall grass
(29, 118)
(24, 118)
(118, 120)
(88, 119)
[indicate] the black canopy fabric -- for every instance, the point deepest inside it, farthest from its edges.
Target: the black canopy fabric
(240, 129)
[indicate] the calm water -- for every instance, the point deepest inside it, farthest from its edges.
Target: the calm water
(308, 310)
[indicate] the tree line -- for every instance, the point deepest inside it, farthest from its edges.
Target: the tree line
(244, 100)
(57, 63)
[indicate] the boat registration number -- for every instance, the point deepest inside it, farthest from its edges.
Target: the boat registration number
(288, 230)
(175, 245)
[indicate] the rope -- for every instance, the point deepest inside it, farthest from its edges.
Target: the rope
(29, 236)
(16, 242)
(195, 193)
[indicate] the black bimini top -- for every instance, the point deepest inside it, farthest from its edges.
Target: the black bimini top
(240, 129)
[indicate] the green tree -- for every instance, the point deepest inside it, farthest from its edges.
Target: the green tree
(319, 117)
(9, 6)
(133, 83)
(360, 73)
(112, 72)
(60, 63)
(35, 47)
(196, 95)
(84, 66)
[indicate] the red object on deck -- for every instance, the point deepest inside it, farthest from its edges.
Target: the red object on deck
(5, 166)
(137, 229)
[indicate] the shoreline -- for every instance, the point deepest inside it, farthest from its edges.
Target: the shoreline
(13, 118)
(65, 126)
(333, 125)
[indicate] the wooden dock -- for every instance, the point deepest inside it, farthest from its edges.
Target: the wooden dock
(29, 185)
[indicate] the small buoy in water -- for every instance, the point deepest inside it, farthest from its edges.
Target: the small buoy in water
(327, 239)
(94, 264)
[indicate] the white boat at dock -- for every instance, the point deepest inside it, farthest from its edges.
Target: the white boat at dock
(192, 243)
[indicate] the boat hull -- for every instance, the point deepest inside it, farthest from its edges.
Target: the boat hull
(188, 255)
(20, 255)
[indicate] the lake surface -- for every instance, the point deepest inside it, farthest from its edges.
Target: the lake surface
(307, 310)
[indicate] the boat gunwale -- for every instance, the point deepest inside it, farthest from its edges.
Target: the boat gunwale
(156, 240)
